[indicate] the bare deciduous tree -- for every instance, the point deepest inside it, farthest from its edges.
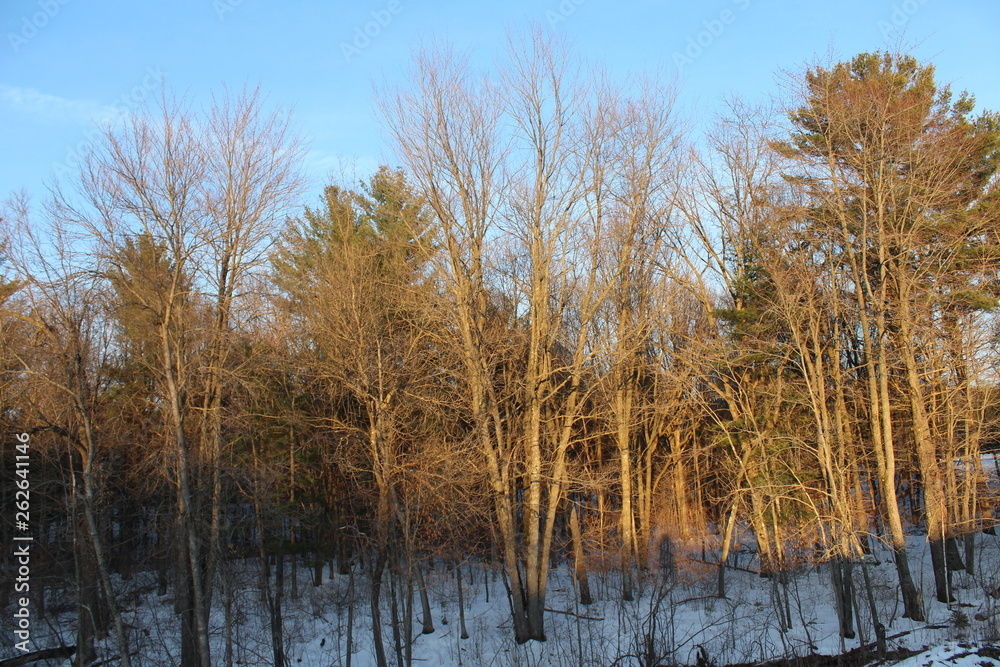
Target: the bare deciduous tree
(539, 169)
(176, 206)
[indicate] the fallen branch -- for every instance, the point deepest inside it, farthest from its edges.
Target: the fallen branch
(569, 613)
(713, 598)
(731, 567)
(44, 654)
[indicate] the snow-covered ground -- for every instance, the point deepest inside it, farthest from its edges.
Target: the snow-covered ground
(959, 654)
(675, 618)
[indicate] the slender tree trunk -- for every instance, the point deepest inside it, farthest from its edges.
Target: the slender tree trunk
(506, 521)
(880, 639)
(376, 610)
(952, 555)
(394, 583)
(533, 566)
(727, 541)
(679, 484)
(317, 568)
(271, 595)
(579, 564)
(349, 651)
(277, 621)
(912, 605)
(185, 504)
(461, 603)
(183, 604)
(98, 546)
(843, 594)
(86, 600)
(623, 402)
(227, 592)
(935, 510)
(408, 619)
(427, 620)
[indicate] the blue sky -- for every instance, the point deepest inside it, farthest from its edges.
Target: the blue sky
(66, 63)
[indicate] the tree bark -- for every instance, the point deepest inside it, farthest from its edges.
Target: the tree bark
(427, 620)
(843, 594)
(461, 603)
(579, 564)
(378, 568)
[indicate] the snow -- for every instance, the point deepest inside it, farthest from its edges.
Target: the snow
(951, 653)
(674, 617)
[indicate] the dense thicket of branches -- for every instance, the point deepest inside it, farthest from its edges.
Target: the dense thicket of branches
(558, 331)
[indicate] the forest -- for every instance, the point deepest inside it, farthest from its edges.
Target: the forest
(568, 329)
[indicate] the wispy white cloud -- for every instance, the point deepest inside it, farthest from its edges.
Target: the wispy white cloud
(52, 107)
(325, 166)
